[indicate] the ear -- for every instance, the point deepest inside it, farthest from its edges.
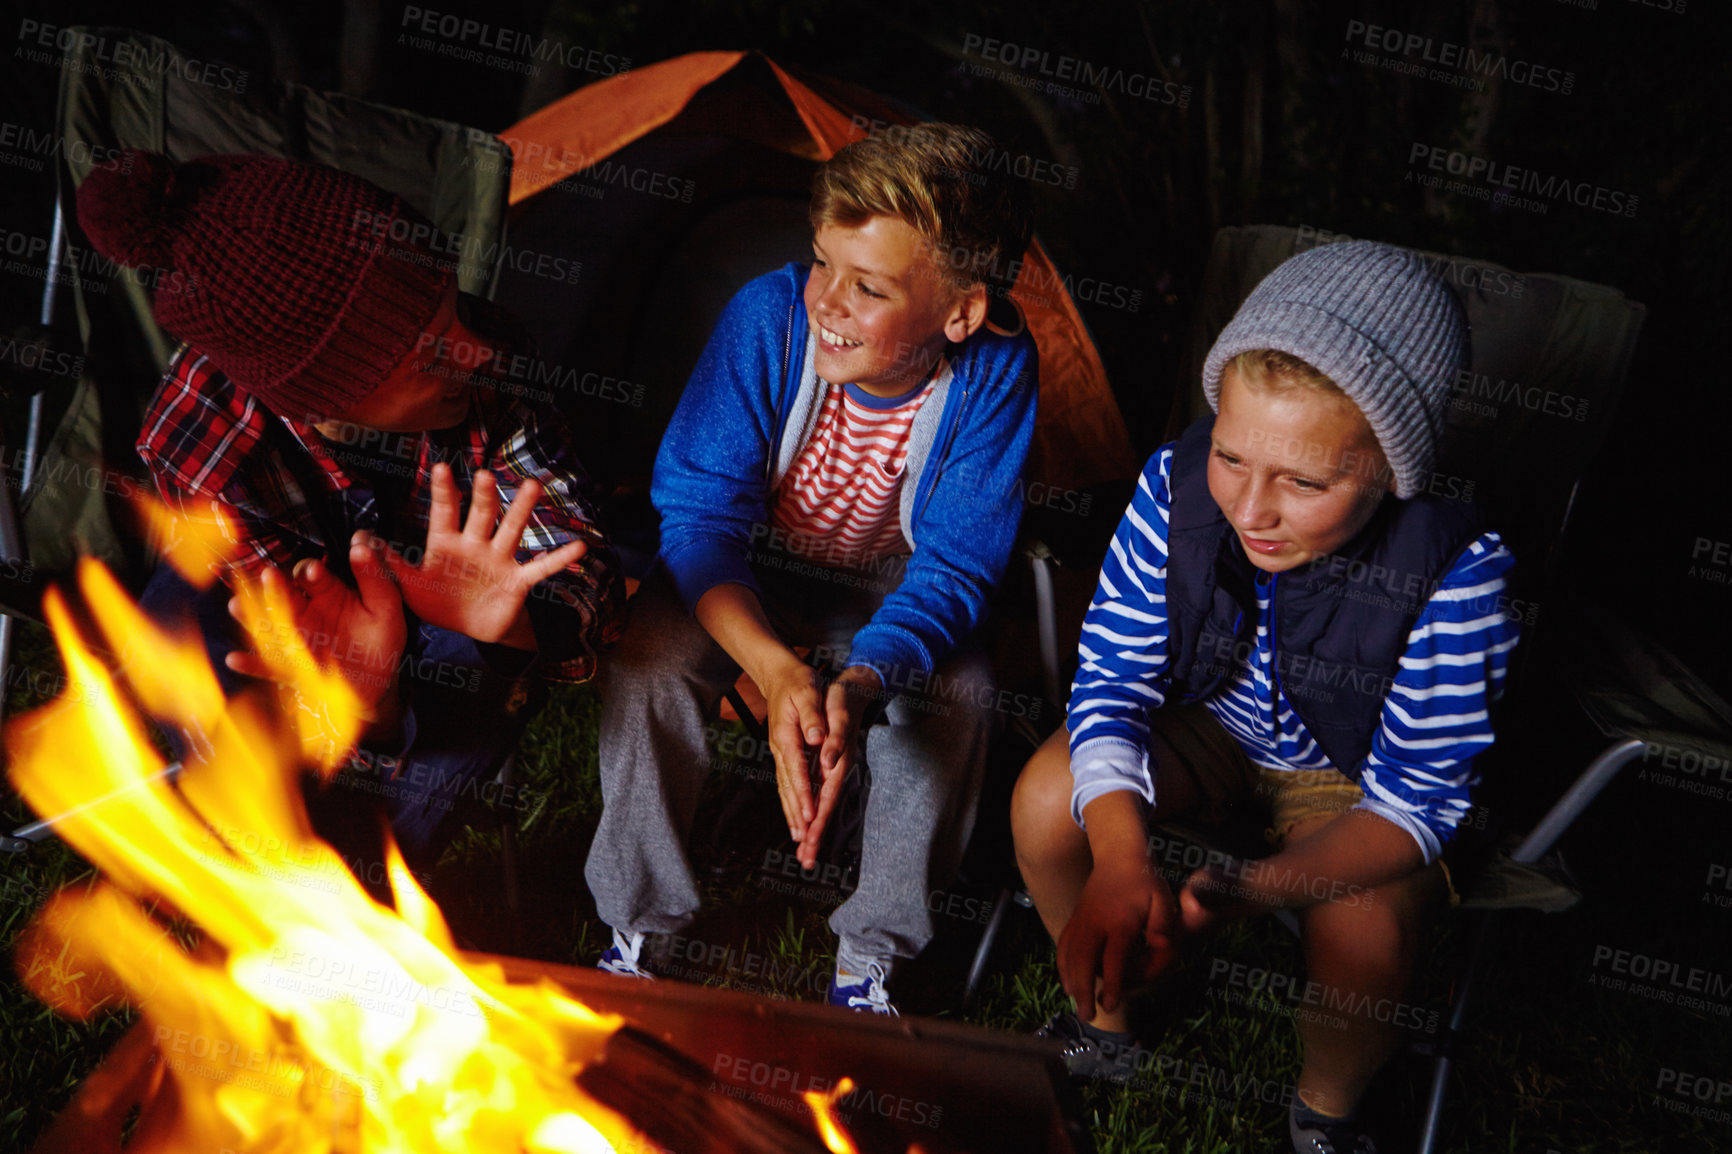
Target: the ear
(967, 313)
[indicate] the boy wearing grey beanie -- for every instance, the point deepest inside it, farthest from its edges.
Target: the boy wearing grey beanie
(1286, 618)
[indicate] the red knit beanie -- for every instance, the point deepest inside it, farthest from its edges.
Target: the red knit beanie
(306, 286)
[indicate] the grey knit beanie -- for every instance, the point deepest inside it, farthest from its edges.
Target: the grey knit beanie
(1376, 321)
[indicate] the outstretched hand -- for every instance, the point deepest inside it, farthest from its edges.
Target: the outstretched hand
(360, 631)
(469, 580)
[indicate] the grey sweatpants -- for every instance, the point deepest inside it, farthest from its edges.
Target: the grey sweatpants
(665, 678)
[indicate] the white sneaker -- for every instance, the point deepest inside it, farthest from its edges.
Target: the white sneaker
(622, 957)
(870, 994)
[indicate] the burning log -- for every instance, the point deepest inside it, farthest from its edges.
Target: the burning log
(918, 1083)
(668, 1096)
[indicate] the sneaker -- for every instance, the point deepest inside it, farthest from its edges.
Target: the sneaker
(622, 957)
(1089, 1057)
(1315, 1134)
(870, 994)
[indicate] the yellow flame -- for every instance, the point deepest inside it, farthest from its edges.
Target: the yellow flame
(823, 1105)
(327, 711)
(305, 1017)
(184, 689)
(196, 548)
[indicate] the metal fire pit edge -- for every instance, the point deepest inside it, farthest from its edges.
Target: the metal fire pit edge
(944, 1086)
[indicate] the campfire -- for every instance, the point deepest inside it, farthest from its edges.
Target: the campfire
(281, 1008)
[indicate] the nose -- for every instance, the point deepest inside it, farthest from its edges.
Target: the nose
(1253, 506)
(829, 297)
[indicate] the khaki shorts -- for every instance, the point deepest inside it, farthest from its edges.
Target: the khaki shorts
(1225, 779)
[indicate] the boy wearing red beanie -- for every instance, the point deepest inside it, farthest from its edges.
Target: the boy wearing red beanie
(335, 401)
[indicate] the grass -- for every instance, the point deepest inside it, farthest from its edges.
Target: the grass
(1553, 1064)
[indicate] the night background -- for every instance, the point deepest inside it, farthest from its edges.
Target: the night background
(1267, 113)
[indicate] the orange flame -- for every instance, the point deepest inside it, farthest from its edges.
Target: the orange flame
(327, 711)
(305, 1017)
(196, 548)
(823, 1106)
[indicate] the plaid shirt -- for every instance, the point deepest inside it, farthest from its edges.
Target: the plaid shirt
(211, 445)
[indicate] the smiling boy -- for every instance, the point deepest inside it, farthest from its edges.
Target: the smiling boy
(1234, 652)
(842, 472)
(336, 392)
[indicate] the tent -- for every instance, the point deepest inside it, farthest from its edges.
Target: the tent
(676, 183)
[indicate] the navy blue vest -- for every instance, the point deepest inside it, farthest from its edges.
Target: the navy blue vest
(1340, 623)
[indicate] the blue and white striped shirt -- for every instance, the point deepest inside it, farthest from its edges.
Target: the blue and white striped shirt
(1419, 773)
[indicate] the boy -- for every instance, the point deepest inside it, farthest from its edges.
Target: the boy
(336, 392)
(841, 472)
(1236, 646)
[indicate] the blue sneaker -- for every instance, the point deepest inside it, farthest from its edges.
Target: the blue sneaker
(870, 994)
(622, 957)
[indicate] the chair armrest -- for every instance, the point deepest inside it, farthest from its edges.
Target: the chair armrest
(1631, 686)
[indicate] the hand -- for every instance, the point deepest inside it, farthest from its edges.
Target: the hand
(469, 580)
(797, 727)
(360, 632)
(844, 705)
(1343, 858)
(1124, 925)
(1211, 897)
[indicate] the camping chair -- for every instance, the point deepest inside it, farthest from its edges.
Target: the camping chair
(657, 273)
(646, 322)
(740, 135)
(458, 177)
(1550, 355)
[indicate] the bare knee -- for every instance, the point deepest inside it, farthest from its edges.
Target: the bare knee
(1372, 936)
(1040, 806)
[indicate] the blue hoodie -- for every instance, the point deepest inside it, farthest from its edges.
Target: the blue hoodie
(730, 443)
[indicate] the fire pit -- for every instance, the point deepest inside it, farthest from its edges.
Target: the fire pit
(282, 1009)
(705, 1071)
(938, 1085)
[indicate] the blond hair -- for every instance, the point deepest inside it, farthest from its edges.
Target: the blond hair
(1271, 370)
(940, 180)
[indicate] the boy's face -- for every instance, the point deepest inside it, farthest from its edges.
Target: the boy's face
(430, 389)
(1296, 472)
(880, 308)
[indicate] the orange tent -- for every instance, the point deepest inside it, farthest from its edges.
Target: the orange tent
(1081, 437)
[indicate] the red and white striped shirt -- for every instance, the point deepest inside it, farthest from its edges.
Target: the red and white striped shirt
(838, 503)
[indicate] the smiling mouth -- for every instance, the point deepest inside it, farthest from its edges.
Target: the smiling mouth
(836, 339)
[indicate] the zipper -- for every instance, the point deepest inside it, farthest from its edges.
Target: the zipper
(1274, 650)
(781, 394)
(1201, 692)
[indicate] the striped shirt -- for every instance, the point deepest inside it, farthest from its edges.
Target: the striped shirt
(838, 502)
(1419, 773)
